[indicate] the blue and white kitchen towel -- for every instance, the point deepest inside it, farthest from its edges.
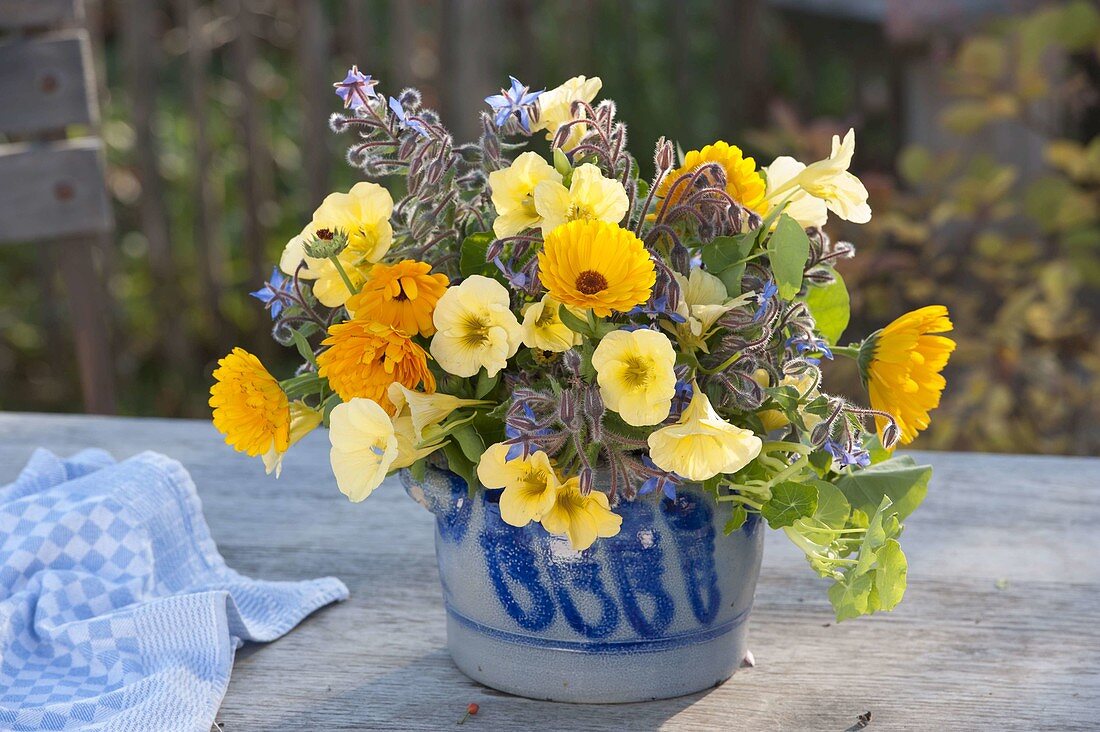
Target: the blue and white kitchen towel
(116, 610)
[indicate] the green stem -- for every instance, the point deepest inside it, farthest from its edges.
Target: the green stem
(724, 365)
(344, 275)
(848, 351)
(741, 499)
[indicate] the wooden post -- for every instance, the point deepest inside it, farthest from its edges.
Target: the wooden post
(468, 25)
(141, 43)
(314, 51)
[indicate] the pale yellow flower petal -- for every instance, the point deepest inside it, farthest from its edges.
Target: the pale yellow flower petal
(634, 370)
(543, 329)
(364, 447)
(303, 420)
(701, 444)
(513, 193)
(475, 328)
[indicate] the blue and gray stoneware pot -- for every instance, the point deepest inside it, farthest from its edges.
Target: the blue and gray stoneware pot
(658, 611)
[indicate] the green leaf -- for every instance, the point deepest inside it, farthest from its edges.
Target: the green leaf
(573, 323)
(485, 384)
(891, 570)
(458, 464)
(851, 596)
(899, 478)
(303, 347)
(737, 520)
(419, 470)
(790, 501)
(469, 441)
(724, 258)
(788, 250)
(475, 247)
(831, 308)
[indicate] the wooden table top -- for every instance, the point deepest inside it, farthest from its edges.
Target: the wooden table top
(999, 629)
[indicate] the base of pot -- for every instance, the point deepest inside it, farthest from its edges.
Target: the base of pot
(596, 672)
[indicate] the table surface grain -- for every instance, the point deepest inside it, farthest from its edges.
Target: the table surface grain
(1000, 627)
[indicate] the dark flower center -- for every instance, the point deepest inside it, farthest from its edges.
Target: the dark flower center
(590, 282)
(325, 234)
(401, 296)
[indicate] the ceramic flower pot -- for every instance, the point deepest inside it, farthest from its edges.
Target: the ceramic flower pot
(658, 611)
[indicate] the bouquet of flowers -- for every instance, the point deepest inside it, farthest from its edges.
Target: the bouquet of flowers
(549, 325)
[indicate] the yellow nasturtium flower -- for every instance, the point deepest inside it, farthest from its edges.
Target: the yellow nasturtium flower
(596, 266)
(412, 444)
(582, 519)
(250, 408)
(303, 420)
(829, 180)
(514, 193)
(701, 444)
(363, 216)
(556, 108)
(635, 372)
(801, 206)
(364, 447)
(475, 328)
(530, 484)
(589, 197)
(543, 329)
(901, 367)
(426, 410)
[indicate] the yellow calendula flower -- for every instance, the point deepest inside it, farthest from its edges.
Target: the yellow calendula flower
(743, 183)
(596, 266)
(401, 295)
(303, 420)
(475, 328)
(556, 108)
(701, 444)
(901, 367)
(514, 193)
(543, 329)
(363, 358)
(829, 180)
(589, 197)
(364, 447)
(250, 408)
(582, 519)
(426, 410)
(530, 484)
(635, 372)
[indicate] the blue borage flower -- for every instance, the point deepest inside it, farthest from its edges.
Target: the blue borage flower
(273, 292)
(764, 297)
(804, 344)
(855, 455)
(356, 89)
(411, 122)
(659, 480)
(680, 400)
(658, 308)
(516, 278)
(515, 101)
(520, 433)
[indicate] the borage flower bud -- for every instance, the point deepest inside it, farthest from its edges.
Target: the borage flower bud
(664, 157)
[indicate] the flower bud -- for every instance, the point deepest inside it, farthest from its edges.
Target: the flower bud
(326, 243)
(664, 157)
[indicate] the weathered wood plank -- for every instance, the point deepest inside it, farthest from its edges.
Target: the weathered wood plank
(959, 653)
(89, 311)
(45, 83)
(37, 13)
(53, 190)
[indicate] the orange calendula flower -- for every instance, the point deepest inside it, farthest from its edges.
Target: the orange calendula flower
(364, 357)
(402, 295)
(901, 367)
(250, 408)
(596, 266)
(743, 183)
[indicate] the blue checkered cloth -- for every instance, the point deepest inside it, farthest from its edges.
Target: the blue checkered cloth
(116, 610)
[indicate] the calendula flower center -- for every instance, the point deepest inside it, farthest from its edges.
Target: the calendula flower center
(590, 282)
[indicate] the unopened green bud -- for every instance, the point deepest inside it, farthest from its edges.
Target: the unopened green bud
(326, 243)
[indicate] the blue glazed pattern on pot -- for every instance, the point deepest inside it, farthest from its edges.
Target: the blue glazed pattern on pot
(657, 611)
